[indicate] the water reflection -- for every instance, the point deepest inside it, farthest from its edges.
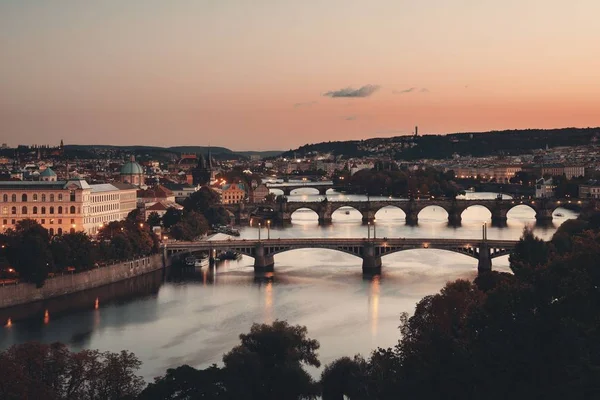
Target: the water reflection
(195, 316)
(374, 304)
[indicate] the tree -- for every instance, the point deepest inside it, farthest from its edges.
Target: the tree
(268, 364)
(73, 249)
(270, 198)
(187, 383)
(171, 217)
(217, 216)
(201, 200)
(529, 253)
(345, 377)
(153, 219)
(28, 251)
(51, 371)
(191, 226)
(135, 216)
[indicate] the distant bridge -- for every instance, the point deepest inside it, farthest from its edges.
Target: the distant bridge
(544, 208)
(369, 250)
(288, 188)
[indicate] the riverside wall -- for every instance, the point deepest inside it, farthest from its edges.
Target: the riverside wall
(23, 293)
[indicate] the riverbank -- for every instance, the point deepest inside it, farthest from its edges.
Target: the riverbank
(23, 293)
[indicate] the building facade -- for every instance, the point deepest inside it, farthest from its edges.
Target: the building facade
(65, 206)
(233, 193)
(590, 190)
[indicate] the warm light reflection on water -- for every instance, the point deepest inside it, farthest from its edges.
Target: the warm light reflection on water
(374, 303)
(194, 319)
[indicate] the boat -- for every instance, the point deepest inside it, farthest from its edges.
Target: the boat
(229, 255)
(192, 261)
(202, 262)
(347, 212)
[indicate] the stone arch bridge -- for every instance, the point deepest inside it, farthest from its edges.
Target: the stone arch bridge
(369, 250)
(543, 208)
(287, 188)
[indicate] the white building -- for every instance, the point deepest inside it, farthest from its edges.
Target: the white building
(544, 188)
(65, 206)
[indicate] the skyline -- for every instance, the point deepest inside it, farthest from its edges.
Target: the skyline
(276, 75)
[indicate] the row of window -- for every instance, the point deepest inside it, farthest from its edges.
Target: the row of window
(35, 197)
(105, 197)
(106, 207)
(24, 210)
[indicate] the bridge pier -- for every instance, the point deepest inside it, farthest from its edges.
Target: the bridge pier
(323, 190)
(412, 218)
(263, 262)
(499, 217)
(485, 259)
(454, 217)
(544, 215)
(325, 218)
(368, 216)
(371, 264)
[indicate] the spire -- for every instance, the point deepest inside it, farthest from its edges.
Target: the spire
(208, 159)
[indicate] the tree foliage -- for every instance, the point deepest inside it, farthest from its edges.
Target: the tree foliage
(34, 370)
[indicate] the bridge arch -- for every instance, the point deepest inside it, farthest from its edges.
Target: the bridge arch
(306, 190)
(441, 211)
(305, 214)
(526, 210)
(389, 213)
(470, 211)
(346, 250)
(338, 211)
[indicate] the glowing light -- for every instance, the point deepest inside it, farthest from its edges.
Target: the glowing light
(11, 270)
(97, 304)
(374, 300)
(9, 323)
(46, 317)
(425, 245)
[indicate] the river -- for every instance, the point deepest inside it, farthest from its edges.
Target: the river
(170, 319)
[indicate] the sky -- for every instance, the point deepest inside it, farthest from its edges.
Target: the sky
(277, 74)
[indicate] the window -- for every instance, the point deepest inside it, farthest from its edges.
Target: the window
(43, 221)
(51, 209)
(51, 231)
(60, 197)
(72, 210)
(43, 197)
(13, 198)
(5, 198)
(43, 210)
(24, 198)
(13, 210)
(13, 221)
(72, 195)
(51, 221)
(35, 197)
(72, 221)
(52, 197)
(60, 209)
(59, 231)
(35, 210)
(72, 230)
(4, 221)
(24, 210)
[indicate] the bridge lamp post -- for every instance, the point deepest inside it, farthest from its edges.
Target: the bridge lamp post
(374, 229)
(268, 229)
(259, 224)
(368, 230)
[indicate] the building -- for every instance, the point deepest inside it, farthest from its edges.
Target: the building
(132, 173)
(155, 194)
(544, 188)
(181, 191)
(259, 193)
(47, 175)
(160, 207)
(233, 193)
(65, 206)
(203, 173)
(569, 171)
(590, 190)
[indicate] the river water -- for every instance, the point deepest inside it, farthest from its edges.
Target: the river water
(168, 319)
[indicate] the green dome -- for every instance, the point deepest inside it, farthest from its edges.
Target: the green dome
(48, 172)
(132, 168)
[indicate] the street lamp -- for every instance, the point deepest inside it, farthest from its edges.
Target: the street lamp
(368, 230)
(259, 231)
(374, 229)
(268, 229)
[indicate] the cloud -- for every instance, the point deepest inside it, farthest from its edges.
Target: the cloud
(364, 91)
(306, 104)
(410, 90)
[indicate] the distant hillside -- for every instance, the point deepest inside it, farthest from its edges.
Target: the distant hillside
(91, 151)
(477, 144)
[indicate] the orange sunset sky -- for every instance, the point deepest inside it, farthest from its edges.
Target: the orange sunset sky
(266, 74)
